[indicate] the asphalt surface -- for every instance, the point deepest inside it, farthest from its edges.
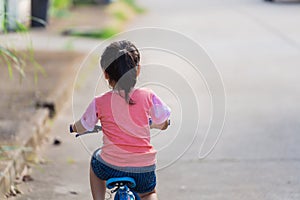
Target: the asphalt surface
(255, 46)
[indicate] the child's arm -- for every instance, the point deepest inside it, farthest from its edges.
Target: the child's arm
(160, 114)
(88, 120)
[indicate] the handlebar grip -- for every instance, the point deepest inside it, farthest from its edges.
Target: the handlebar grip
(71, 129)
(96, 130)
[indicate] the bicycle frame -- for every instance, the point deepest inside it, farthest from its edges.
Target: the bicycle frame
(120, 186)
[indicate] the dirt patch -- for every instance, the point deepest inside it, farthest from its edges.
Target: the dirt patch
(20, 97)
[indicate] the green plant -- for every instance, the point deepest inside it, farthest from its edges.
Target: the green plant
(36, 66)
(17, 59)
(109, 32)
(119, 12)
(11, 59)
(134, 6)
(83, 2)
(120, 15)
(98, 34)
(60, 8)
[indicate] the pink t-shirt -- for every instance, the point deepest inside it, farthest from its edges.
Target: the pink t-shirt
(126, 131)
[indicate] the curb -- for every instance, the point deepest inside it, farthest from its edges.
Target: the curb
(31, 134)
(38, 128)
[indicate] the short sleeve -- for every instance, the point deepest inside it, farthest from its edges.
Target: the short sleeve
(89, 119)
(159, 111)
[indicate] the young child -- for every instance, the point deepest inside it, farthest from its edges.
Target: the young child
(124, 113)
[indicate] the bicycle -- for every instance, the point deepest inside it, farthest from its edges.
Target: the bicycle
(122, 186)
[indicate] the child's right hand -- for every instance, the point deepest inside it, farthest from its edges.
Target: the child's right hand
(162, 126)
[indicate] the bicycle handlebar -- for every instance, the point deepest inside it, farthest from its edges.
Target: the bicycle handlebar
(98, 128)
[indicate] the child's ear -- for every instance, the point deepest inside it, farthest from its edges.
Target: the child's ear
(106, 75)
(138, 70)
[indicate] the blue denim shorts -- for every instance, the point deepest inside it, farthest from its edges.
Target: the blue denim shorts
(144, 177)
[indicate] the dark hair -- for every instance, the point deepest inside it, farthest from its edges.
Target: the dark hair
(120, 61)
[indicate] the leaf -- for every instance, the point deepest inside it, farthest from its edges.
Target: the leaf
(71, 161)
(9, 67)
(21, 28)
(9, 55)
(37, 67)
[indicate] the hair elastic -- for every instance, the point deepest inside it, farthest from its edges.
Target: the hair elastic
(123, 51)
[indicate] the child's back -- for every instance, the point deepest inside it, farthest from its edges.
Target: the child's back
(126, 140)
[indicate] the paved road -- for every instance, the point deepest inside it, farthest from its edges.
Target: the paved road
(256, 47)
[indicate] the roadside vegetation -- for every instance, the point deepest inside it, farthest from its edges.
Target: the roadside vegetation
(120, 12)
(19, 62)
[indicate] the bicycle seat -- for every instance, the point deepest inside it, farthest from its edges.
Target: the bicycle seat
(113, 182)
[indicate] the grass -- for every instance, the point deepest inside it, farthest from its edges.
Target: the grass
(18, 61)
(60, 8)
(120, 15)
(14, 60)
(102, 33)
(120, 12)
(109, 32)
(134, 6)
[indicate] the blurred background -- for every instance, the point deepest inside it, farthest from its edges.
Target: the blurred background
(228, 70)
